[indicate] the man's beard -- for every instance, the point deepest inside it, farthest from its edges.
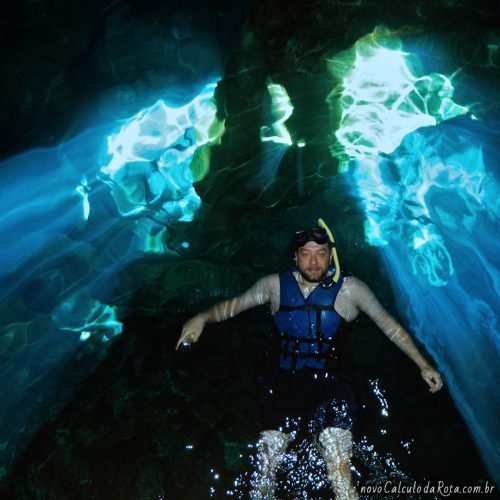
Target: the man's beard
(313, 278)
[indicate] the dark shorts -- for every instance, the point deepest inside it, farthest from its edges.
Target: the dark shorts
(307, 401)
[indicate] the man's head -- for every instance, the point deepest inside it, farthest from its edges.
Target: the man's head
(312, 254)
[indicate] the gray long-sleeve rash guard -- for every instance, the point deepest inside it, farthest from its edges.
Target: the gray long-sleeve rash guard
(354, 296)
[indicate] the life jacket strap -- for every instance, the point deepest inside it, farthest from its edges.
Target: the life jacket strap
(301, 355)
(320, 339)
(308, 307)
(315, 340)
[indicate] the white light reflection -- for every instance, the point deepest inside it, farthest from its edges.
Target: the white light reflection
(303, 472)
(281, 110)
(378, 467)
(407, 446)
(380, 396)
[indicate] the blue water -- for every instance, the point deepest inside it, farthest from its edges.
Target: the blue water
(436, 225)
(70, 223)
(72, 217)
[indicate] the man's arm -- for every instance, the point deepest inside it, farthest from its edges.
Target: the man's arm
(258, 294)
(367, 302)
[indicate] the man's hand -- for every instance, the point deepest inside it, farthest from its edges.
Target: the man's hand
(432, 378)
(191, 331)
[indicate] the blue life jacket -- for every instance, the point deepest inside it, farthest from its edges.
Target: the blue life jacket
(307, 326)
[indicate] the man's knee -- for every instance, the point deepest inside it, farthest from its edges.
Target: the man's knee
(273, 443)
(336, 448)
(336, 445)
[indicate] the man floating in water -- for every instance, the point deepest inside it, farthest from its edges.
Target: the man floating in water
(309, 303)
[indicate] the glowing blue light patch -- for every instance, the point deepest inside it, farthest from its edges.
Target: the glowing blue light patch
(281, 110)
(379, 100)
(85, 336)
(431, 259)
(79, 312)
(413, 194)
(154, 241)
(47, 196)
(434, 207)
(149, 171)
(185, 244)
(83, 189)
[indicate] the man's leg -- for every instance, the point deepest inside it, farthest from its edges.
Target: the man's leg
(336, 448)
(271, 450)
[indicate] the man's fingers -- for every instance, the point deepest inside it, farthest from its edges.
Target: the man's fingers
(186, 337)
(438, 381)
(182, 338)
(435, 383)
(433, 379)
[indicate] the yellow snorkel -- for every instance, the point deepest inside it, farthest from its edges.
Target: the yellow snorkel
(335, 258)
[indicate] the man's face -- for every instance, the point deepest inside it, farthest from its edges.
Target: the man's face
(313, 260)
